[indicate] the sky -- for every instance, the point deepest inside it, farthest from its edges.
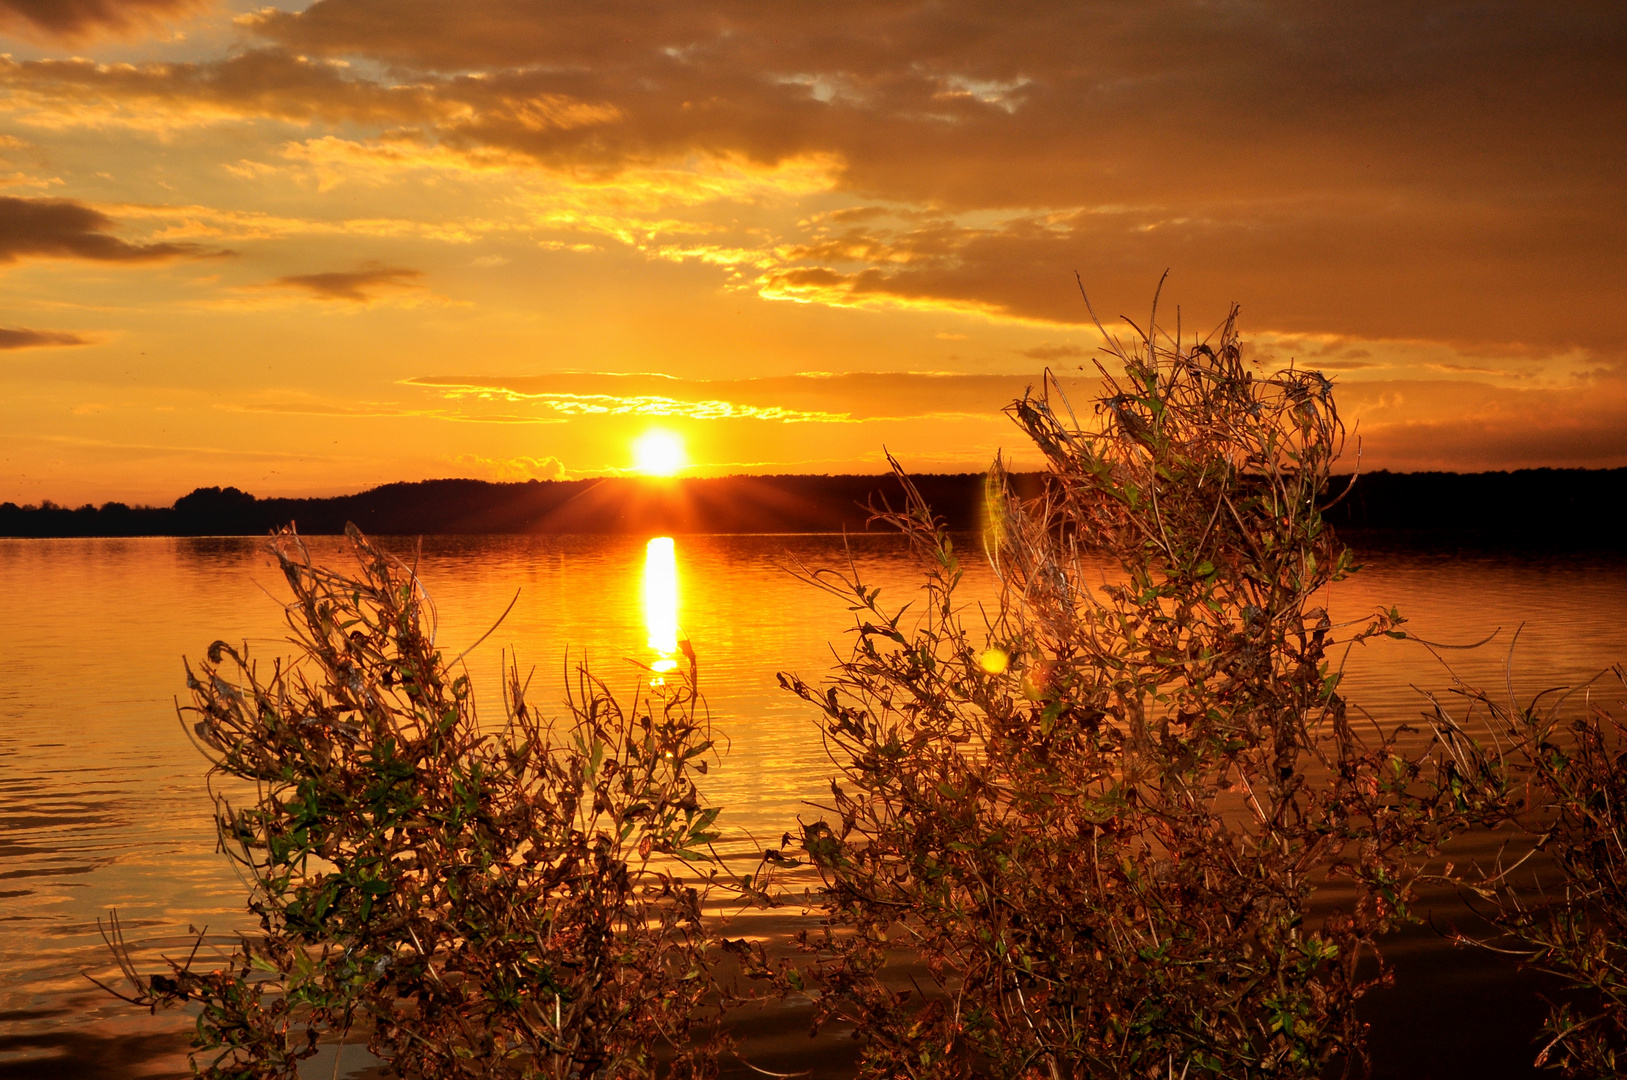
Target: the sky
(306, 250)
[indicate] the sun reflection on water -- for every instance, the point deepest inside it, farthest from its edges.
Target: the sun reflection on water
(661, 601)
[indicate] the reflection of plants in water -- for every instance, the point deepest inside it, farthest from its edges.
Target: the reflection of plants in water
(509, 900)
(1558, 898)
(1098, 818)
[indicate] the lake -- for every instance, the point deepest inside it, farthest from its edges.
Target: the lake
(102, 804)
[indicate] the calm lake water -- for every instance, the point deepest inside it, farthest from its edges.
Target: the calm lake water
(102, 804)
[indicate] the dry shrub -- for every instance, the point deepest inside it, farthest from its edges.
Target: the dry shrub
(1099, 819)
(514, 900)
(1557, 896)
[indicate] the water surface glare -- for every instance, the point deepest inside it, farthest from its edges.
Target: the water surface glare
(661, 600)
(101, 796)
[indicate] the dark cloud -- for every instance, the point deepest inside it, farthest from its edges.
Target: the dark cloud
(19, 338)
(964, 105)
(1101, 100)
(1370, 267)
(355, 286)
(75, 20)
(64, 228)
(1448, 171)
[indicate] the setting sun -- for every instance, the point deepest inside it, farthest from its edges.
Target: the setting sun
(659, 453)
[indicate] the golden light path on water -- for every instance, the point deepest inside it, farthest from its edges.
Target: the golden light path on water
(103, 802)
(661, 601)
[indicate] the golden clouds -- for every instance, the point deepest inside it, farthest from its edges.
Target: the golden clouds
(1062, 94)
(312, 405)
(548, 112)
(1354, 266)
(502, 189)
(841, 398)
(261, 84)
(509, 469)
(334, 160)
(651, 405)
(189, 222)
(1325, 189)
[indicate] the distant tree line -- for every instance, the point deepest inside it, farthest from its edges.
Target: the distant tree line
(1565, 507)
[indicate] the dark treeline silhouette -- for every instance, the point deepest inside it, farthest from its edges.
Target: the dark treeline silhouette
(1564, 507)
(1549, 507)
(736, 504)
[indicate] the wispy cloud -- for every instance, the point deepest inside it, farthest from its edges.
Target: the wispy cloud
(77, 20)
(19, 338)
(841, 398)
(306, 405)
(645, 405)
(352, 286)
(512, 468)
(1048, 353)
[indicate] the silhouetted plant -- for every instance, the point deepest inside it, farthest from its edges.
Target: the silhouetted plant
(517, 899)
(1558, 891)
(1099, 819)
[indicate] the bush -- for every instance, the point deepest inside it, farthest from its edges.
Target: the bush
(1558, 894)
(519, 900)
(1100, 819)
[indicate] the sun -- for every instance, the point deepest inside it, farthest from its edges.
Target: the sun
(659, 453)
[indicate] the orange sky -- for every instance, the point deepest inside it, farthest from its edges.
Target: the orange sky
(309, 250)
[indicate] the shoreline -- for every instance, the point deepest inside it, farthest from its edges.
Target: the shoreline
(1561, 508)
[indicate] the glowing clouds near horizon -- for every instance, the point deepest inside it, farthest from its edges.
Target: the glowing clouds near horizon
(659, 453)
(661, 601)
